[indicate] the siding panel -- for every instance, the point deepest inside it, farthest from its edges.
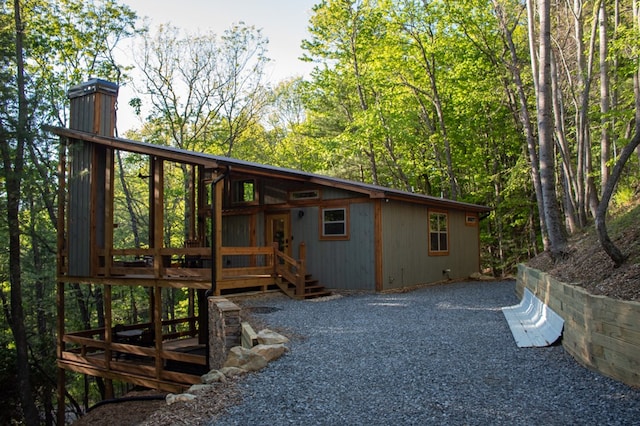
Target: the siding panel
(347, 264)
(79, 215)
(406, 261)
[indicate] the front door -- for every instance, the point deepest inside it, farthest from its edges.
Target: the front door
(278, 231)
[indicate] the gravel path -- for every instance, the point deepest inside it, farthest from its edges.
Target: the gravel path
(437, 355)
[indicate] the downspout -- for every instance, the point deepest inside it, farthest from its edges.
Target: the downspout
(214, 226)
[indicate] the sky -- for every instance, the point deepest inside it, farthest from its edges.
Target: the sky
(283, 22)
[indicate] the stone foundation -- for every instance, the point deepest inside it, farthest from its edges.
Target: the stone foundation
(224, 330)
(599, 332)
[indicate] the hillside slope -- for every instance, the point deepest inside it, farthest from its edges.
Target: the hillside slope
(589, 266)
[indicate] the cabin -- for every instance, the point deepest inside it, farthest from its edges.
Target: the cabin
(246, 227)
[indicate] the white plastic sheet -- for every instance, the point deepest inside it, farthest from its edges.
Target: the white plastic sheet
(532, 323)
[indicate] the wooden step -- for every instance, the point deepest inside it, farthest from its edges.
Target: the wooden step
(312, 288)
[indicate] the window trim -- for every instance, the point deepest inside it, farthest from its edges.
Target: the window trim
(321, 224)
(299, 195)
(438, 252)
(235, 193)
(471, 219)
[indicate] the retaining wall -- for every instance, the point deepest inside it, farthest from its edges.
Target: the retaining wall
(599, 332)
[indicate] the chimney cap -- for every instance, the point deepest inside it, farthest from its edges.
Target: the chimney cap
(92, 86)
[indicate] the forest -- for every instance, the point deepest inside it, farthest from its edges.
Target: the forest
(529, 107)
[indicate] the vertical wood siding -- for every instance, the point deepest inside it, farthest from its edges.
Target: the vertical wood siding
(236, 233)
(79, 210)
(348, 265)
(406, 261)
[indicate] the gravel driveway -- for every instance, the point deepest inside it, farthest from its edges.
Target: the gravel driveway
(437, 355)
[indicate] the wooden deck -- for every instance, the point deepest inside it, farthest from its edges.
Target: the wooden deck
(130, 353)
(172, 366)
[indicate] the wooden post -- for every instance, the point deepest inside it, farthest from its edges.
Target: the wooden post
(157, 324)
(157, 212)
(274, 259)
(191, 312)
(217, 237)
(201, 230)
(192, 202)
(108, 338)
(302, 273)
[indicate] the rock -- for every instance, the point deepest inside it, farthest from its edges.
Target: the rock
(269, 337)
(246, 359)
(213, 376)
(233, 371)
(182, 397)
(198, 388)
(270, 352)
(477, 276)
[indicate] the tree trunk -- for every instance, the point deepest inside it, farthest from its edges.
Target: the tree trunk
(525, 118)
(636, 75)
(13, 182)
(45, 341)
(601, 214)
(586, 195)
(568, 179)
(557, 238)
(605, 139)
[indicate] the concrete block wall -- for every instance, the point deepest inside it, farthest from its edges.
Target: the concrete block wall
(599, 332)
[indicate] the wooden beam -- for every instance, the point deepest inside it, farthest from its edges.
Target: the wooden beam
(179, 384)
(161, 152)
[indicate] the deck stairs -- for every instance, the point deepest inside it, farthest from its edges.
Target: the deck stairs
(312, 288)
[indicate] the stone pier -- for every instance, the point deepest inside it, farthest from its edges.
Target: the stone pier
(225, 330)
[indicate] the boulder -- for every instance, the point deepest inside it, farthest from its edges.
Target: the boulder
(199, 388)
(246, 359)
(233, 371)
(477, 276)
(182, 397)
(270, 352)
(269, 337)
(213, 376)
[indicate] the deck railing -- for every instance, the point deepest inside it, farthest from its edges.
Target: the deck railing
(192, 265)
(127, 355)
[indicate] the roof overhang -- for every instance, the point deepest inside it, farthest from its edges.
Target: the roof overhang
(240, 166)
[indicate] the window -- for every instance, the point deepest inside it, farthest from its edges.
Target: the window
(471, 219)
(244, 191)
(334, 223)
(312, 194)
(438, 234)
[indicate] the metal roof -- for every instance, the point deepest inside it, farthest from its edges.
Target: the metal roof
(216, 161)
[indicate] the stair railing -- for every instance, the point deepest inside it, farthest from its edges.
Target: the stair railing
(290, 269)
